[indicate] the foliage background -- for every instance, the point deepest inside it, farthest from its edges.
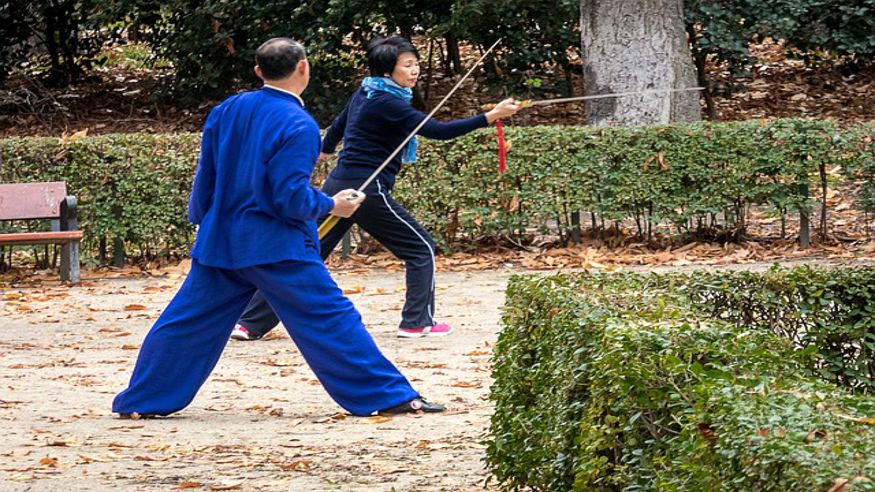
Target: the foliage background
(210, 43)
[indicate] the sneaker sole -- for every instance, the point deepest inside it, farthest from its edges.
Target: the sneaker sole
(404, 334)
(431, 334)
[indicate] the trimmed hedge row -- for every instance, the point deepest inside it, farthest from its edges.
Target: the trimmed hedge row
(692, 178)
(133, 187)
(622, 382)
(862, 171)
(829, 311)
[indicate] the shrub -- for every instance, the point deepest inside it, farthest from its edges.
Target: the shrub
(830, 311)
(861, 170)
(687, 180)
(132, 187)
(691, 179)
(601, 384)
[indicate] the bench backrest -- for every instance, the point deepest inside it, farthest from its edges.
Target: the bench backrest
(31, 200)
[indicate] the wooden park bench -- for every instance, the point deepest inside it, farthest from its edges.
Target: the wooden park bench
(28, 201)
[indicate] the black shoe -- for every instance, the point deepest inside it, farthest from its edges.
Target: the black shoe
(416, 405)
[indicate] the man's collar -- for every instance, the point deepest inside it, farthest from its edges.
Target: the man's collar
(287, 92)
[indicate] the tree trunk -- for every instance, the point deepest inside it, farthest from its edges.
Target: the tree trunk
(51, 43)
(635, 45)
(429, 71)
(454, 56)
(701, 74)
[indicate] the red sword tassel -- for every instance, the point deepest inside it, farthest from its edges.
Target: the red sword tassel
(502, 150)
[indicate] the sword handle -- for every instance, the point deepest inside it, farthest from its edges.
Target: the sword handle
(525, 103)
(327, 224)
(332, 220)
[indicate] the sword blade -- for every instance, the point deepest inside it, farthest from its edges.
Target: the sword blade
(545, 102)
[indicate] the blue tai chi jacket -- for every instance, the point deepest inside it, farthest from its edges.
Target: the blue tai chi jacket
(252, 197)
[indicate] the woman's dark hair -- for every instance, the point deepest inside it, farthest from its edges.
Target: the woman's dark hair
(383, 54)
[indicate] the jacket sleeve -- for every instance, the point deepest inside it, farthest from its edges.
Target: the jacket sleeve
(409, 118)
(205, 177)
(288, 178)
(335, 131)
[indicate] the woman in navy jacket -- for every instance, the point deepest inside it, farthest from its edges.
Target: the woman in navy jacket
(377, 118)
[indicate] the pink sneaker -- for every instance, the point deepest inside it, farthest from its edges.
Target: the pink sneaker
(240, 333)
(437, 330)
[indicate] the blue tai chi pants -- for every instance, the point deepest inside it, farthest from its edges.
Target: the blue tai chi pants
(185, 343)
(390, 224)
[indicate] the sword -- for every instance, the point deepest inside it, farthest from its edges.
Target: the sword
(332, 220)
(545, 102)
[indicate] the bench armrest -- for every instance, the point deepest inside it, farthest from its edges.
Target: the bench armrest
(68, 214)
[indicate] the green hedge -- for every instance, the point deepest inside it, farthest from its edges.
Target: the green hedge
(862, 170)
(830, 311)
(692, 178)
(134, 187)
(621, 382)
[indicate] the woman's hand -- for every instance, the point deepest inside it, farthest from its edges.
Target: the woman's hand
(324, 157)
(505, 108)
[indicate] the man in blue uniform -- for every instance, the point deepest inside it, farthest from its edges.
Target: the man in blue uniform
(256, 213)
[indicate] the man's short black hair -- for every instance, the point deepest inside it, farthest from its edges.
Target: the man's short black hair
(383, 54)
(278, 57)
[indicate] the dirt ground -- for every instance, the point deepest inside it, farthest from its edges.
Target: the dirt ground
(262, 421)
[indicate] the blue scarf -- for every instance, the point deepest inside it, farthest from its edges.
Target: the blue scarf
(385, 84)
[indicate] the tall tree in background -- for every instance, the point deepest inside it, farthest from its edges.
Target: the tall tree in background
(633, 45)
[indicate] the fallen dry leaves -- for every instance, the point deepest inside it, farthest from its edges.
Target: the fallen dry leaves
(189, 485)
(49, 461)
(606, 258)
(237, 485)
(298, 465)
